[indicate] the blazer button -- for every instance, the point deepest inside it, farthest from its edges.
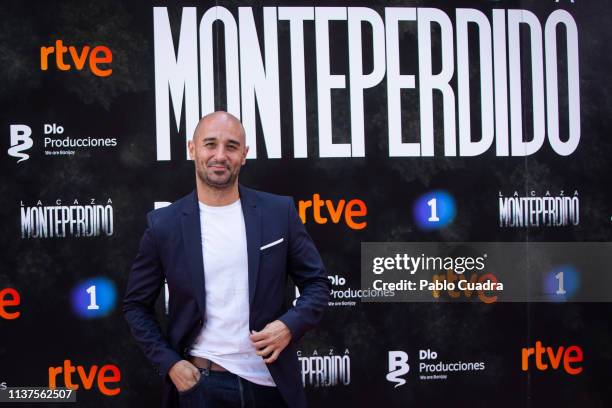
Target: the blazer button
(200, 322)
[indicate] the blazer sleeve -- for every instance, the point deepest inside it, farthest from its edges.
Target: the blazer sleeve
(305, 267)
(144, 284)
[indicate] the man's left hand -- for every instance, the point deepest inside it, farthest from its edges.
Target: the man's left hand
(271, 340)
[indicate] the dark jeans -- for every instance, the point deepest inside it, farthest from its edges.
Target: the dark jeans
(226, 390)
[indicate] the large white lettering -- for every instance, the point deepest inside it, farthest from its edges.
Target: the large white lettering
(491, 59)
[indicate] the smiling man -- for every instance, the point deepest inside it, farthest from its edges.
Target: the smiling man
(226, 252)
(219, 150)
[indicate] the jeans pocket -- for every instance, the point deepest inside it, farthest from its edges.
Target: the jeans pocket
(193, 397)
(192, 389)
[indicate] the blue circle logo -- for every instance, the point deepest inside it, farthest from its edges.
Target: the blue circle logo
(434, 210)
(94, 298)
(561, 283)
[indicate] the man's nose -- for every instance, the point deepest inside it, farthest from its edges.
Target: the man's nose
(220, 153)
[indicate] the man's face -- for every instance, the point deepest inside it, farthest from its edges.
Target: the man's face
(218, 151)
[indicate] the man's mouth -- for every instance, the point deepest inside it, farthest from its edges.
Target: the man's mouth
(217, 167)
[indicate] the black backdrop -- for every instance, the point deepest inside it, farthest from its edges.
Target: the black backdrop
(45, 271)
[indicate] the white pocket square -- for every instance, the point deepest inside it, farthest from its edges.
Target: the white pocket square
(271, 244)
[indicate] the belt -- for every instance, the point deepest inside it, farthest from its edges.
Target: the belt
(201, 362)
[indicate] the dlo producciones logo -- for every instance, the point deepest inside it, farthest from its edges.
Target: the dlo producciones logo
(55, 142)
(342, 295)
(429, 368)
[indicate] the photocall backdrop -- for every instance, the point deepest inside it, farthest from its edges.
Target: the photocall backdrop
(463, 128)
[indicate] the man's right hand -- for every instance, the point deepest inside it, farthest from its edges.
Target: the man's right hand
(184, 375)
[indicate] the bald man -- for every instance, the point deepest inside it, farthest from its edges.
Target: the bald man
(226, 252)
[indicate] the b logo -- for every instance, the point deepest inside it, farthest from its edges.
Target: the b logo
(398, 366)
(20, 141)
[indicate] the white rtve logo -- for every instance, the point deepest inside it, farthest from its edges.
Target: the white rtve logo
(20, 141)
(398, 366)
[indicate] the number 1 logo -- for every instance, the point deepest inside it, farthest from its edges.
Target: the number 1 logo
(94, 298)
(434, 210)
(561, 283)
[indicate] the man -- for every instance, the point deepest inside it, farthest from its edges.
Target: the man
(225, 252)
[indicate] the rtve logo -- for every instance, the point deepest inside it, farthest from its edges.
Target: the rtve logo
(97, 55)
(322, 209)
(9, 297)
(105, 375)
(546, 357)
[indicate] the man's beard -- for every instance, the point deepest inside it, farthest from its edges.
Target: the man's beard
(219, 184)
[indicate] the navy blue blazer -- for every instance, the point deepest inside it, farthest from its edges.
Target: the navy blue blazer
(171, 249)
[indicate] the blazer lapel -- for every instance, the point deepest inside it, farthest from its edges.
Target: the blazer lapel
(192, 241)
(252, 224)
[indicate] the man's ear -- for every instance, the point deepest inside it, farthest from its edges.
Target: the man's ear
(191, 148)
(246, 151)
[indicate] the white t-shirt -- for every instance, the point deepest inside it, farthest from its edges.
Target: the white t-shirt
(224, 338)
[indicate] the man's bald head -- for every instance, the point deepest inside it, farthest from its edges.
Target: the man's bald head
(220, 119)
